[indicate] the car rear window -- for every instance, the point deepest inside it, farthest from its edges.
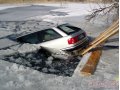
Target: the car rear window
(68, 29)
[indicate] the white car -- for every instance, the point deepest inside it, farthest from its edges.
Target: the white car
(56, 39)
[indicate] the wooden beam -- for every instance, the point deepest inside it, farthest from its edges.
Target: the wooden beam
(91, 64)
(100, 41)
(106, 32)
(93, 60)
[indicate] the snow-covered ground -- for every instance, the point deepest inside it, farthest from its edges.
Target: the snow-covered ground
(6, 6)
(19, 77)
(80, 10)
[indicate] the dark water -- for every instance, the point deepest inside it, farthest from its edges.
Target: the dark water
(41, 63)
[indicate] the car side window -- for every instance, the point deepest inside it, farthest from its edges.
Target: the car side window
(48, 35)
(39, 37)
(30, 38)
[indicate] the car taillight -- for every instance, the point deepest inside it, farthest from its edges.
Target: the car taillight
(73, 40)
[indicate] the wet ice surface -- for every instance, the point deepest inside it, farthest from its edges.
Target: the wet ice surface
(21, 13)
(25, 25)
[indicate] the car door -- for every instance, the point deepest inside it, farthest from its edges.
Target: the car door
(50, 40)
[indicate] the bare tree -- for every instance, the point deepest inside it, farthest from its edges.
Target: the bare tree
(112, 7)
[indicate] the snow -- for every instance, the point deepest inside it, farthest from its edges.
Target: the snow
(6, 6)
(6, 42)
(72, 10)
(81, 65)
(2, 7)
(15, 76)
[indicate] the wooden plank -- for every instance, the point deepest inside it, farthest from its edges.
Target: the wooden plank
(106, 32)
(91, 64)
(93, 60)
(101, 41)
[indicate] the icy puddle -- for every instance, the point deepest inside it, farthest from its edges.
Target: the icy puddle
(49, 65)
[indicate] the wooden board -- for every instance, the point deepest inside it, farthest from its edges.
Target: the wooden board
(106, 32)
(101, 41)
(91, 64)
(112, 30)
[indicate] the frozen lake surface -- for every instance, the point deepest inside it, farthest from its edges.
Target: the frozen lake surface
(46, 74)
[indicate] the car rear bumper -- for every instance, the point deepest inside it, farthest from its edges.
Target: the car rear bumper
(75, 47)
